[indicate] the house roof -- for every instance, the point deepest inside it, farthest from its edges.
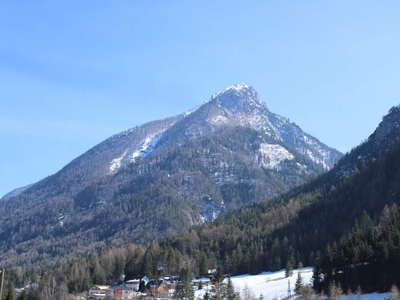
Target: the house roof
(120, 288)
(155, 283)
(133, 281)
(100, 287)
(139, 277)
(202, 279)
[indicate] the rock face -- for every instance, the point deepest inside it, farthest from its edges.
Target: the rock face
(164, 176)
(388, 129)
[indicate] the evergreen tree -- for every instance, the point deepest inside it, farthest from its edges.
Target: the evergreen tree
(148, 264)
(299, 284)
(203, 264)
(219, 277)
(317, 277)
(230, 291)
(184, 288)
(289, 269)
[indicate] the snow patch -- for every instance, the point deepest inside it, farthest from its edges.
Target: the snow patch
(326, 155)
(146, 147)
(272, 285)
(115, 164)
(208, 210)
(272, 155)
(218, 120)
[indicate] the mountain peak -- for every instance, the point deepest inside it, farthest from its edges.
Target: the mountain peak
(238, 97)
(239, 87)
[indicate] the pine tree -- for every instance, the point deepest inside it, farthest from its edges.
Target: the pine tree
(219, 277)
(230, 291)
(317, 277)
(299, 284)
(289, 269)
(203, 264)
(184, 289)
(148, 264)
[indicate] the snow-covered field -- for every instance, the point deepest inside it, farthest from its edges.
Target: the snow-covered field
(274, 285)
(271, 285)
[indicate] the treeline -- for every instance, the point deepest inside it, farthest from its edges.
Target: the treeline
(73, 276)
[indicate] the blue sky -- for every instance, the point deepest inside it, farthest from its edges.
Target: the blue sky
(73, 73)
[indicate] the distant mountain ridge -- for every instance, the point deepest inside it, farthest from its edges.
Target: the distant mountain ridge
(383, 137)
(164, 176)
(15, 192)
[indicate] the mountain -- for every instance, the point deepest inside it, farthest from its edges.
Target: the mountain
(162, 177)
(344, 223)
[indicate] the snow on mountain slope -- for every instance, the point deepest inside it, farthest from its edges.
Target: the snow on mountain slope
(115, 164)
(240, 105)
(146, 147)
(136, 143)
(255, 114)
(272, 155)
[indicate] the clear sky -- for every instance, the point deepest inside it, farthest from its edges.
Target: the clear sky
(73, 73)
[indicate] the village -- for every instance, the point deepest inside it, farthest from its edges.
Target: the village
(141, 287)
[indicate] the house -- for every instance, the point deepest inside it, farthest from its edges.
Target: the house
(158, 288)
(205, 281)
(120, 293)
(134, 283)
(98, 291)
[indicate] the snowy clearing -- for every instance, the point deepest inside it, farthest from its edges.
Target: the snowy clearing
(274, 285)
